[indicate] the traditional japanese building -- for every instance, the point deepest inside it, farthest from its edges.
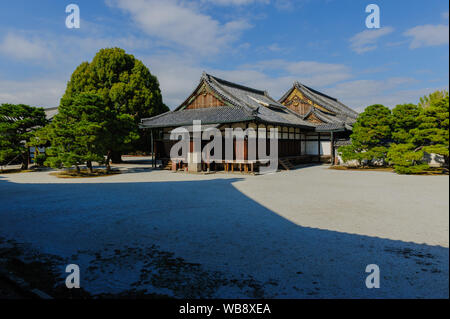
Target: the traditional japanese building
(333, 120)
(305, 121)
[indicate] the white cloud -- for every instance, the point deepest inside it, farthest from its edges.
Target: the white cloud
(182, 24)
(19, 47)
(178, 75)
(367, 40)
(235, 2)
(389, 92)
(36, 92)
(311, 73)
(428, 35)
(287, 4)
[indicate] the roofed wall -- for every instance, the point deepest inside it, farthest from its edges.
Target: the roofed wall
(204, 100)
(300, 104)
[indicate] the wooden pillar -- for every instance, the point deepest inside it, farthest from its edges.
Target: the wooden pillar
(246, 143)
(300, 142)
(318, 145)
(152, 149)
(257, 140)
(332, 148)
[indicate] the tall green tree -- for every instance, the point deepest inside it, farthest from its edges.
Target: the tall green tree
(403, 153)
(75, 130)
(85, 130)
(404, 119)
(432, 98)
(125, 84)
(371, 135)
(17, 126)
(432, 133)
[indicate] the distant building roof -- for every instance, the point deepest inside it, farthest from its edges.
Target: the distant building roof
(335, 111)
(242, 104)
(51, 112)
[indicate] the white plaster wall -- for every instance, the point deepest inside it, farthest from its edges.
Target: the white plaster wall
(325, 148)
(311, 148)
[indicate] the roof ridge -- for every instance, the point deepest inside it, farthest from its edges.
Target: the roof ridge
(246, 107)
(239, 86)
(323, 102)
(317, 92)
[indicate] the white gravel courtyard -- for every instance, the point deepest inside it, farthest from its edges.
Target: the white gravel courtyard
(307, 233)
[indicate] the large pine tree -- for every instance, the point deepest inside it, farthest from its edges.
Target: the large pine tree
(85, 130)
(371, 136)
(125, 85)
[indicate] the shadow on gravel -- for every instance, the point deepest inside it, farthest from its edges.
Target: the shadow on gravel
(196, 239)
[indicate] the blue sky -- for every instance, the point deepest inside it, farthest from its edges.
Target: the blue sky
(266, 44)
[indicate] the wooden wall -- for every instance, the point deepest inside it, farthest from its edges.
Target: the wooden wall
(298, 103)
(204, 100)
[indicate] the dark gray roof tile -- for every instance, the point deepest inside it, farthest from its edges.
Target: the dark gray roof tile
(245, 104)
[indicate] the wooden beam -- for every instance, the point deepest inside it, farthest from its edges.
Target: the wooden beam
(152, 149)
(318, 144)
(332, 148)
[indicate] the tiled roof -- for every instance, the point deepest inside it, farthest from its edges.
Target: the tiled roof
(330, 127)
(343, 114)
(243, 104)
(218, 114)
(50, 112)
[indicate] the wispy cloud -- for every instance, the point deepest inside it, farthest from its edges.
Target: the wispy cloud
(182, 24)
(428, 35)
(179, 75)
(20, 47)
(36, 92)
(235, 2)
(367, 40)
(390, 92)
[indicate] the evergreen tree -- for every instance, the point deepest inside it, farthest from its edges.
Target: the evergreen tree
(85, 130)
(404, 119)
(124, 83)
(17, 126)
(75, 131)
(402, 153)
(418, 130)
(371, 136)
(432, 98)
(432, 133)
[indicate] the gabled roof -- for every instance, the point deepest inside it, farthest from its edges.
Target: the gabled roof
(342, 112)
(242, 104)
(51, 112)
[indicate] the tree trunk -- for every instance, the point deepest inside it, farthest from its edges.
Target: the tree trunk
(78, 169)
(108, 159)
(116, 157)
(25, 160)
(89, 166)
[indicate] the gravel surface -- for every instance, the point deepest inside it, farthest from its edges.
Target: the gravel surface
(307, 233)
